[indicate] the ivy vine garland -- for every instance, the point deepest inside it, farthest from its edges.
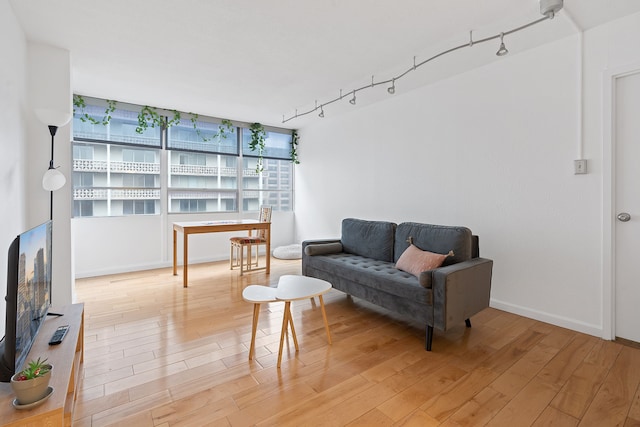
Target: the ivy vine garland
(79, 102)
(258, 137)
(295, 139)
(224, 128)
(149, 117)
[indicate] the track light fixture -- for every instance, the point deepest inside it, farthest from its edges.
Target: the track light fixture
(548, 8)
(352, 101)
(503, 49)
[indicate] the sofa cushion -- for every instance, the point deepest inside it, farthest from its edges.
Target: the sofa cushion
(435, 238)
(371, 239)
(379, 275)
(415, 261)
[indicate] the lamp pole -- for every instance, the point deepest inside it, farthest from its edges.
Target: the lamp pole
(52, 130)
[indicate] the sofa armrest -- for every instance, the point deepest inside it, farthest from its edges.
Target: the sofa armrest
(318, 242)
(323, 248)
(306, 256)
(460, 290)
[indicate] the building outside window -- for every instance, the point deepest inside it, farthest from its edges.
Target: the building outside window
(274, 185)
(202, 166)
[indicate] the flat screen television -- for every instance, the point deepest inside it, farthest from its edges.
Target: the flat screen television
(28, 296)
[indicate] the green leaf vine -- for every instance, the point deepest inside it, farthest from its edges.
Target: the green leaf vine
(224, 129)
(295, 139)
(80, 104)
(149, 117)
(258, 137)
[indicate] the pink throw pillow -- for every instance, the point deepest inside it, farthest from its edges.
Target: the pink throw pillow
(415, 261)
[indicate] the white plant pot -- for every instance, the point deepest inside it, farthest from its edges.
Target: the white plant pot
(29, 391)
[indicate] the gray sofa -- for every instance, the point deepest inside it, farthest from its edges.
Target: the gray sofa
(362, 264)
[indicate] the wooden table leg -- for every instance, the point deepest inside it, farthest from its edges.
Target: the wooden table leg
(293, 332)
(324, 316)
(285, 323)
(185, 262)
(268, 271)
(175, 250)
(254, 328)
(241, 259)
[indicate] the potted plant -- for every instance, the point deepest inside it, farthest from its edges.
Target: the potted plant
(32, 383)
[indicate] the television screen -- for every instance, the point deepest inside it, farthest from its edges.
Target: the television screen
(28, 295)
(34, 286)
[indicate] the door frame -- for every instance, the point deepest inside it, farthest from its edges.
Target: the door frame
(610, 78)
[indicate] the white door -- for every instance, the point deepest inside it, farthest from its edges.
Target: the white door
(627, 207)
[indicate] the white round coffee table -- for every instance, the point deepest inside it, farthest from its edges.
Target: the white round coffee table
(292, 288)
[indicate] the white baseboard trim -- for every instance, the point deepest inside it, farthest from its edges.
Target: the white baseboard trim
(141, 267)
(564, 322)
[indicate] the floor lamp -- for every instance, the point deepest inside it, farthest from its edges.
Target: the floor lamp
(53, 179)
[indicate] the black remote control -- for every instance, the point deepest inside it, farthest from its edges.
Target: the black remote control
(58, 335)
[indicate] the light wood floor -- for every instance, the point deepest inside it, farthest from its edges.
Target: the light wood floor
(161, 355)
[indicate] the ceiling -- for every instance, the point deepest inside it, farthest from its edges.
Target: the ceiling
(261, 60)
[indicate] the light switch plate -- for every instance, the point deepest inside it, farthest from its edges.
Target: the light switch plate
(580, 166)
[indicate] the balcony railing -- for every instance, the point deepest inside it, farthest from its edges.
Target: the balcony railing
(135, 167)
(198, 170)
(251, 173)
(116, 193)
(116, 167)
(80, 165)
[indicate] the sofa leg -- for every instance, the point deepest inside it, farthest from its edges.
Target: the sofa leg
(467, 322)
(429, 338)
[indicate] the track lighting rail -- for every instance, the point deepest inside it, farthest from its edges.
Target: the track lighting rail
(393, 80)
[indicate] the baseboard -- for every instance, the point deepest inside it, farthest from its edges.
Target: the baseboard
(141, 267)
(563, 322)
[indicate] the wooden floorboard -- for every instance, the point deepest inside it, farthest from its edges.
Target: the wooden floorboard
(157, 354)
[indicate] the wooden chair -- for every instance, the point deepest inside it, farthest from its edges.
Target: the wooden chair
(239, 243)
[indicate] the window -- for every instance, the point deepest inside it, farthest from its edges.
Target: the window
(203, 172)
(116, 170)
(121, 128)
(274, 185)
(209, 166)
(138, 207)
(277, 145)
(82, 208)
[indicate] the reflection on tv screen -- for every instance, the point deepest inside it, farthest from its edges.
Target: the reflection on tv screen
(34, 276)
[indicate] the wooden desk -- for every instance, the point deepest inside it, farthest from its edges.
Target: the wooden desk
(197, 227)
(66, 359)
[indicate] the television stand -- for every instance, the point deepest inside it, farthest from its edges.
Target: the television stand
(66, 358)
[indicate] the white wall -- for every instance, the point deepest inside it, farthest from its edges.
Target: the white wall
(491, 149)
(49, 81)
(32, 76)
(13, 138)
(119, 244)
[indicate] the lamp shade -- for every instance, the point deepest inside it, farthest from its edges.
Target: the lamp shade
(53, 180)
(52, 117)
